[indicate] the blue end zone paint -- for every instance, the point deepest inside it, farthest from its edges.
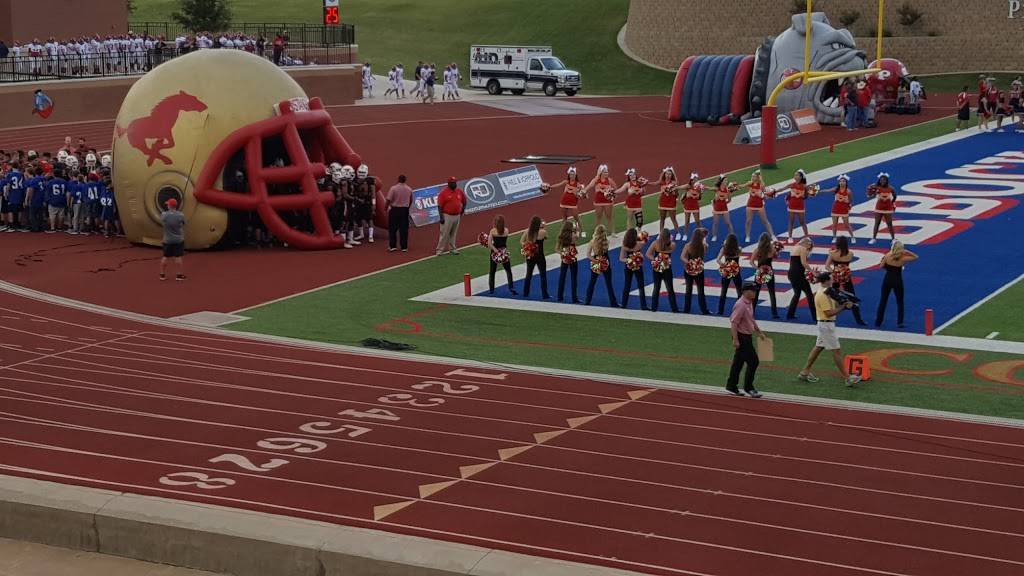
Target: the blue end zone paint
(963, 260)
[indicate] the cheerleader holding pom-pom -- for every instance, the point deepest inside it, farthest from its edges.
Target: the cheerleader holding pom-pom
(570, 201)
(497, 241)
(885, 205)
(755, 203)
(838, 264)
(729, 266)
(691, 204)
(634, 188)
(604, 197)
(600, 266)
(841, 207)
(669, 199)
(567, 252)
(693, 265)
(532, 250)
(659, 254)
(720, 205)
(761, 259)
(799, 191)
(632, 256)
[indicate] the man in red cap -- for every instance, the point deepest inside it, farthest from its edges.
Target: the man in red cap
(174, 239)
(451, 204)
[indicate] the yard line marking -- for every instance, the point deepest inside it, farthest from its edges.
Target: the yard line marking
(992, 335)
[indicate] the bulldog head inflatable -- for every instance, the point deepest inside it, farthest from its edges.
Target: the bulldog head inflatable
(832, 50)
(224, 133)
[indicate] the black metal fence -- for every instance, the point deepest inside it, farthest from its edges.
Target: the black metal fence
(306, 44)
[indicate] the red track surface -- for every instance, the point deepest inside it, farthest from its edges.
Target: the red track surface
(658, 481)
(428, 143)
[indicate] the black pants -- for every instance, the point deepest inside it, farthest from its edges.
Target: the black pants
(800, 287)
(574, 270)
(771, 296)
(398, 227)
(745, 354)
(702, 301)
(607, 284)
(36, 218)
(640, 285)
(542, 270)
(508, 272)
(891, 283)
(666, 278)
(848, 287)
(725, 289)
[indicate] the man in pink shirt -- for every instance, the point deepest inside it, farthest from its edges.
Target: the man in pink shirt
(743, 327)
(398, 200)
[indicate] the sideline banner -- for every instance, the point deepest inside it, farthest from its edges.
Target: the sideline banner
(788, 124)
(482, 193)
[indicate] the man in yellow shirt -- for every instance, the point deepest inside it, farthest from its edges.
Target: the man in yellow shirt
(827, 310)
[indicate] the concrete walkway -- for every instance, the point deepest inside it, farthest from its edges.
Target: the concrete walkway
(26, 559)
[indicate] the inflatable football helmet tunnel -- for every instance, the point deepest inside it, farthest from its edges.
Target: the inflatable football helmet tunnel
(227, 134)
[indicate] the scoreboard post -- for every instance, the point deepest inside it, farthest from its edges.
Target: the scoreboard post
(332, 16)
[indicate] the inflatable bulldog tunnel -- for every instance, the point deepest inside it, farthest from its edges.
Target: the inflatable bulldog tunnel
(727, 89)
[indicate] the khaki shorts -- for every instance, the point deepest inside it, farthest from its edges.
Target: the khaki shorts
(56, 211)
(827, 338)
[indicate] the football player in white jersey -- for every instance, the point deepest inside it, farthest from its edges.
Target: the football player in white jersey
(455, 79)
(368, 79)
(400, 78)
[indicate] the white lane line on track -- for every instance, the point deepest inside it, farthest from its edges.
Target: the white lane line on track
(533, 517)
(431, 476)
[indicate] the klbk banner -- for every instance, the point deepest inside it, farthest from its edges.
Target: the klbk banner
(788, 124)
(482, 193)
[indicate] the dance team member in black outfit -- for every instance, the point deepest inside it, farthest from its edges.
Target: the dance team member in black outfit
(764, 276)
(797, 275)
(893, 263)
(729, 265)
(659, 253)
(838, 263)
(566, 247)
(498, 243)
(632, 256)
(532, 243)
(693, 267)
(600, 266)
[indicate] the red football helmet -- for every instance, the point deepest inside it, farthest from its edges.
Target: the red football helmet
(885, 84)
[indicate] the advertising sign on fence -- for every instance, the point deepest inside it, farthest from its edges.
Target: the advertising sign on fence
(482, 193)
(788, 124)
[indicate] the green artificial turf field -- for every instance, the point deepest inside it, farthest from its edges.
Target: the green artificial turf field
(379, 306)
(441, 31)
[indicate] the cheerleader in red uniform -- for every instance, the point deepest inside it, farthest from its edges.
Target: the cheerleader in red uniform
(798, 192)
(841, 207)
(755, 203)
(570, 201)
(604, 198)
(691, 203)
(720, 206)
(885, 205)
(634, 189)
(669, 199)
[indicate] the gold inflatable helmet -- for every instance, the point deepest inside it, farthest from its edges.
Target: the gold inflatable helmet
(224, 132)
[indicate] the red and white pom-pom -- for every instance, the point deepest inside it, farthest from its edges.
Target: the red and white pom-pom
(730, 270)
(661, 262)
(841, 274)
(569, 254)
(764, 274)
(694, 266)
(643, 236)
(529, 250)
(642, 181)
(635, 261)
(484, 239)
(778, 246)
(699, 187)
(732, 187)
(770, 192)
(599, 264)
(812, 274)
(872, 190)
(812, 190)
(545, 187)
(500, 256)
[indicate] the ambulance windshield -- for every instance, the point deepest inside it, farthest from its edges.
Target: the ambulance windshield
(552, 64)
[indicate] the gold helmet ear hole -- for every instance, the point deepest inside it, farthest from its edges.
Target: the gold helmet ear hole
(166, 193)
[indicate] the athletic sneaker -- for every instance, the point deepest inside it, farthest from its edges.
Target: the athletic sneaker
(753, 393)
(354, 242)
(733, 391)
(392, 249)
(853, 239)
(583, 234)
(180, 277)
(747, 239)
(853, 380)
(3, 228)
(808, 377)
(714, 238)
(872, 241)
(371, 240)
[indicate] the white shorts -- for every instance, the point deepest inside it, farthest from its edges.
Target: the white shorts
(827, 338)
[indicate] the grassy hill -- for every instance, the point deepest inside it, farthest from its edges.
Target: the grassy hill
(582, 32)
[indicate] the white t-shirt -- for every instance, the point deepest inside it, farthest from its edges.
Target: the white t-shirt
(915, 87)
(51, 48)
(399, 73)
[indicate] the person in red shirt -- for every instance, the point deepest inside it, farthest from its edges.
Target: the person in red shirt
(451, 205)
(984, 106)
(863, 101)
(885, 205)
(963, 109)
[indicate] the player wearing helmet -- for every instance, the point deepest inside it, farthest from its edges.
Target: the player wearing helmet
(365, 192)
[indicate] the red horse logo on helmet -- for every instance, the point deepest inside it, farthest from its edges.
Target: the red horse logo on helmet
(158, 127)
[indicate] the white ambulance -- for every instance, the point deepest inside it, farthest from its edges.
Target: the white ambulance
(521, 68)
